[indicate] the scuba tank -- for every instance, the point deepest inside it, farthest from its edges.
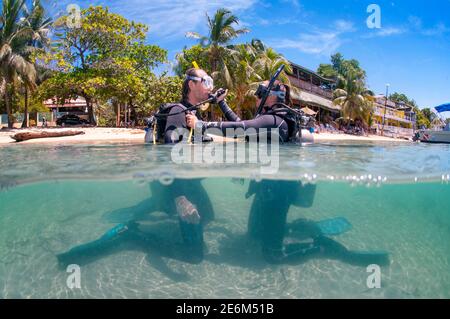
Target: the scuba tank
(149, 129)
(156, 124)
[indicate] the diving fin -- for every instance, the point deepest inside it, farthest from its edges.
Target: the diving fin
(304, 228)
(97, 247)
(333, 249)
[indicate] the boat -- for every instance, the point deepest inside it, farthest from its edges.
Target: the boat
(441, 135)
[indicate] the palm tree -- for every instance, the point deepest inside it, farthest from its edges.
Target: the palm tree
(15, 31)
(40, 25)
(256, 63)
(268, 62)
(221, 33)
(355, 100)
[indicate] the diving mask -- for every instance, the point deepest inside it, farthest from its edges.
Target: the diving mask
(207, 81)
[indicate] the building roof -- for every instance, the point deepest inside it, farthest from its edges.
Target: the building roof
(78, 102)
(315, 100)
(306, 70)
(381, 100)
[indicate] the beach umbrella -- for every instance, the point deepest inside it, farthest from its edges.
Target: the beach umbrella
(443, 108)
(308, 111)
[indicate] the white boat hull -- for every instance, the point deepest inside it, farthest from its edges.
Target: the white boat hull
(435, 137)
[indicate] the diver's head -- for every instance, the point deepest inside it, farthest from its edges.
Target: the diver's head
(197, 86)
(280, 93)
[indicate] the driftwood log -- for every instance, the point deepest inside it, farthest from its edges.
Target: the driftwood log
(19, 137)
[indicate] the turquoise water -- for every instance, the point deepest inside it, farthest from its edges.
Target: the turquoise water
(55, 197)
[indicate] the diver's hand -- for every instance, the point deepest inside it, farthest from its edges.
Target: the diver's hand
(187, 211)
(191, 120)
(222, 97)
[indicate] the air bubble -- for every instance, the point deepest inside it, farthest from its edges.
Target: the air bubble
(256, 177)
(166, 178)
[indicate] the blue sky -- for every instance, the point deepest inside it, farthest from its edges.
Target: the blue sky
(411, 50)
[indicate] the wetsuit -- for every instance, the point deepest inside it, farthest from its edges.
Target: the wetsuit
(176, 121)
(263, 121)
(267, 223)
(267, 220)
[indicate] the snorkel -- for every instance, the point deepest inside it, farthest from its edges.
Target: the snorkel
(263, 92)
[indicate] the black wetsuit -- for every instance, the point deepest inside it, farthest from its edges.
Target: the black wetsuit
(263, 121)
(177, 121)
(268, 214)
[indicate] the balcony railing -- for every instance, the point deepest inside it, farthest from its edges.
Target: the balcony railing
(309, 87)
(393, 116)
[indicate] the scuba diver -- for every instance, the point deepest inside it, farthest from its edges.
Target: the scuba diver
(267, 224)
(276, 114)
(274, 111)
(169, 123)
(268, 215)
(186, 199)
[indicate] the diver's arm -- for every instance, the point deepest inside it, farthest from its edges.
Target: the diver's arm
(228, 112)
(262, 122)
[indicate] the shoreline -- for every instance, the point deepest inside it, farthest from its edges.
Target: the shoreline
(136, 136)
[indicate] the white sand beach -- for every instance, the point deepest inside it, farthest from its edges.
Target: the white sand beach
(126, 135)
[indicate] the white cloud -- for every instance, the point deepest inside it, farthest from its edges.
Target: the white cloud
(344, 26)
(439, 29)
(171, 18)
(176, 17)
(321, 42)
(318, 42)
(386, 32)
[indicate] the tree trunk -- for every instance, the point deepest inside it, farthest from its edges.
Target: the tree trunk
(125, 114)
(133, 117)
(8, 107)
(118, 115)
(19, 137)
(25, 119)
(90, 111)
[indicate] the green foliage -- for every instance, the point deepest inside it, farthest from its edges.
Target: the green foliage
(355, 99)
(195, 53)
(106, 114)
(106, 58)
(23, 31)
(160, 90)
(252, 63)
(327, 71)
(340, 69)
(400, 97)
(222, 30)
(35, 104)
(428, 114)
